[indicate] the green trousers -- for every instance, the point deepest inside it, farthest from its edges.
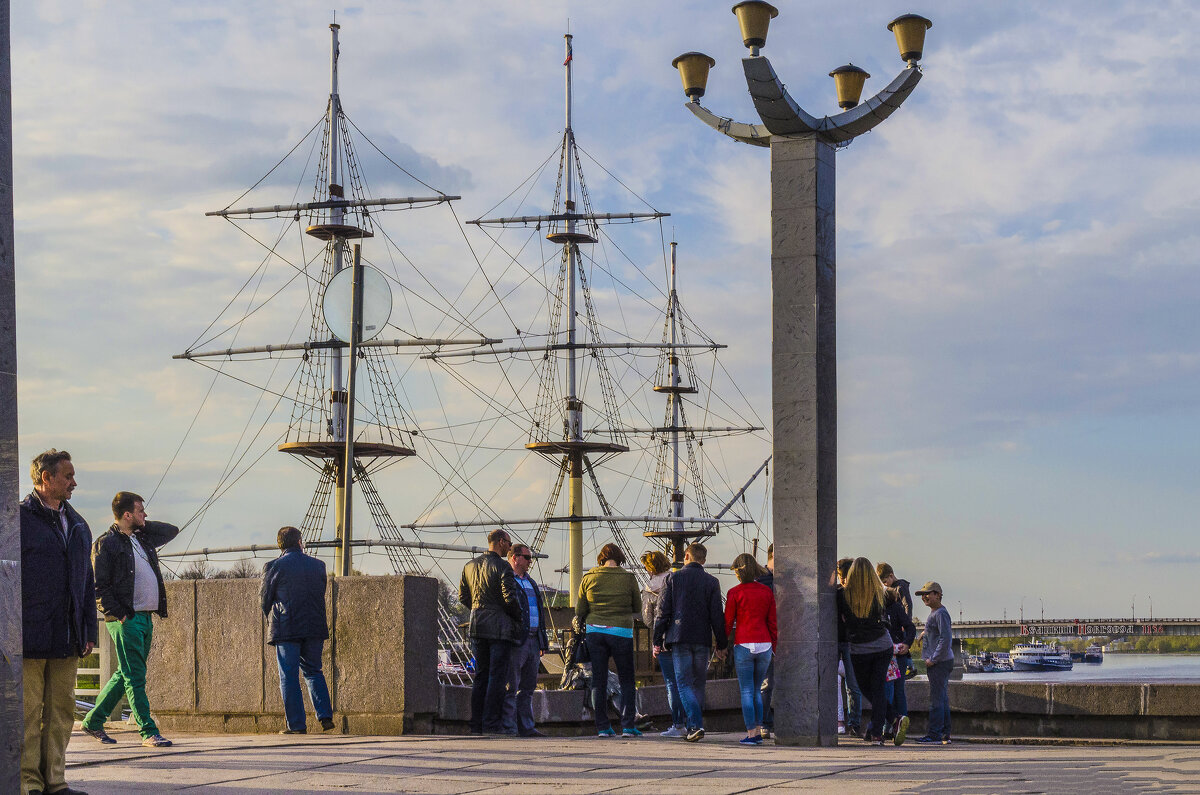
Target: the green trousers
(132, 639)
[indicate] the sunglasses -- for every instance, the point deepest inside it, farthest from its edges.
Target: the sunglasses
(527, 557)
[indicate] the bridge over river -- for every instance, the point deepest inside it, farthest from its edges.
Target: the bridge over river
(1078, 628)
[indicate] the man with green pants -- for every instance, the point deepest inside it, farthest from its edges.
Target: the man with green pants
(129, 587)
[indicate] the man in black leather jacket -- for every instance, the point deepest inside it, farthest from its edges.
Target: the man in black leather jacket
(690, 617)
(497, 624)
(129, 587)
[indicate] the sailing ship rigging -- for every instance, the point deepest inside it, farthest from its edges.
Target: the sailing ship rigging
(348, 420)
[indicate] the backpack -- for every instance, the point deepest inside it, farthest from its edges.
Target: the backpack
(649, 608)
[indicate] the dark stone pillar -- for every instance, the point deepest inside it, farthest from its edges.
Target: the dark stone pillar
(804, 419)
(11, 720)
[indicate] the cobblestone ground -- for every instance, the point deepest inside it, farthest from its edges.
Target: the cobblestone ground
(718, 764)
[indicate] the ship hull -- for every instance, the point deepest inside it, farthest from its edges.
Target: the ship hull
(1041, 665)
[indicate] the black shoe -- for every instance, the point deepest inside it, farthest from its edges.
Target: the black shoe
(326, 724)
(65, 791)
(695, 735)
(294, 731)
(533, 733)
(99, 734)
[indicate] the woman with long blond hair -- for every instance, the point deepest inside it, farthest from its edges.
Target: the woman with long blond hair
(861, 608)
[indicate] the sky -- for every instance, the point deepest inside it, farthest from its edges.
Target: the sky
(1018, 365)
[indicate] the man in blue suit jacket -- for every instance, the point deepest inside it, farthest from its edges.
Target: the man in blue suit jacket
(689, 617)
(293, 599)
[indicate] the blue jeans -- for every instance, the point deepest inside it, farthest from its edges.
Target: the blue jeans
(522, 681)
(751, 671)
(897, 697)
(295, 656)
(854, 707)
(768, 691)
(691, 666)
(602, 646)
(667, 663)
(939, 698)
(492, 659)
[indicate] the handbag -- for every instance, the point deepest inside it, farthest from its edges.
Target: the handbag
(893, 671)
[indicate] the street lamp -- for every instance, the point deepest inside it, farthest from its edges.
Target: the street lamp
(803, 351)
(1043, 605)
(959, 610)
(1151, 598)
(1022, 609)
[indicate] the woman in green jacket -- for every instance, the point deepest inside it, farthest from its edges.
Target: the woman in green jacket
(609, 598)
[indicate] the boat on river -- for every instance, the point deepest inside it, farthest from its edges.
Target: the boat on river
(1037, 656)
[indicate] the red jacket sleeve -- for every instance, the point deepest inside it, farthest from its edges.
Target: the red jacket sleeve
(771, 627)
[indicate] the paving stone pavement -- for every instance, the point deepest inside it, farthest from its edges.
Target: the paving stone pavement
(441, 764)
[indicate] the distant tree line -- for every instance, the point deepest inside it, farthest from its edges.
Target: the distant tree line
(242, 569)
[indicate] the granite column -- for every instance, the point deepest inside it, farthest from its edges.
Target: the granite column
(11, 713)
(804, 425)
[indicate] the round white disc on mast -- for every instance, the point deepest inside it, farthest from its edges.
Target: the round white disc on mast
(339, 298)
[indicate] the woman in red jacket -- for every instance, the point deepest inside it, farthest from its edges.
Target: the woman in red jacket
(750, 623)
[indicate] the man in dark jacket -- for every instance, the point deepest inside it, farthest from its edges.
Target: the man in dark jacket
(689, 617)
(889, 579)
(293, 600)
(522, 679)
(497, 624)
(58, 618)
(129, 588)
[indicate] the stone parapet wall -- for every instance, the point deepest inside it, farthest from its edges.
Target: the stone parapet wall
(211, 669)
(1087, 710)
(1116, 711)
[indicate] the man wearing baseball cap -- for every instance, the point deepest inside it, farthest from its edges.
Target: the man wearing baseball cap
(937, 650)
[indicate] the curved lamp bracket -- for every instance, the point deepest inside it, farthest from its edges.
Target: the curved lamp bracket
(754, 134)
(782, 116)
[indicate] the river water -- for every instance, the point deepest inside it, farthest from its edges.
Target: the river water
(1115, 668)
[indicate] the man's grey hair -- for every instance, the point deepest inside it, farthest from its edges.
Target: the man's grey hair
(47, 463)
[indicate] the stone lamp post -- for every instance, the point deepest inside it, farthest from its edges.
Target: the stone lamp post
(803, 363)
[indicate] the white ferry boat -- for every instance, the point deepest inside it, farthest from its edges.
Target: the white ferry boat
(1037, 656)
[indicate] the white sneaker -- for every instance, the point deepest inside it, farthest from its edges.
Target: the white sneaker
(674, 731)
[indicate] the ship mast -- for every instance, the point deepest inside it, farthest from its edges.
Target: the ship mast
(676, 494)
(330, 437)
(339, 397)
(574, 405)
(574, 224)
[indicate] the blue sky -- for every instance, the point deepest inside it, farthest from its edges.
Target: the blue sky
(1019, 374)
